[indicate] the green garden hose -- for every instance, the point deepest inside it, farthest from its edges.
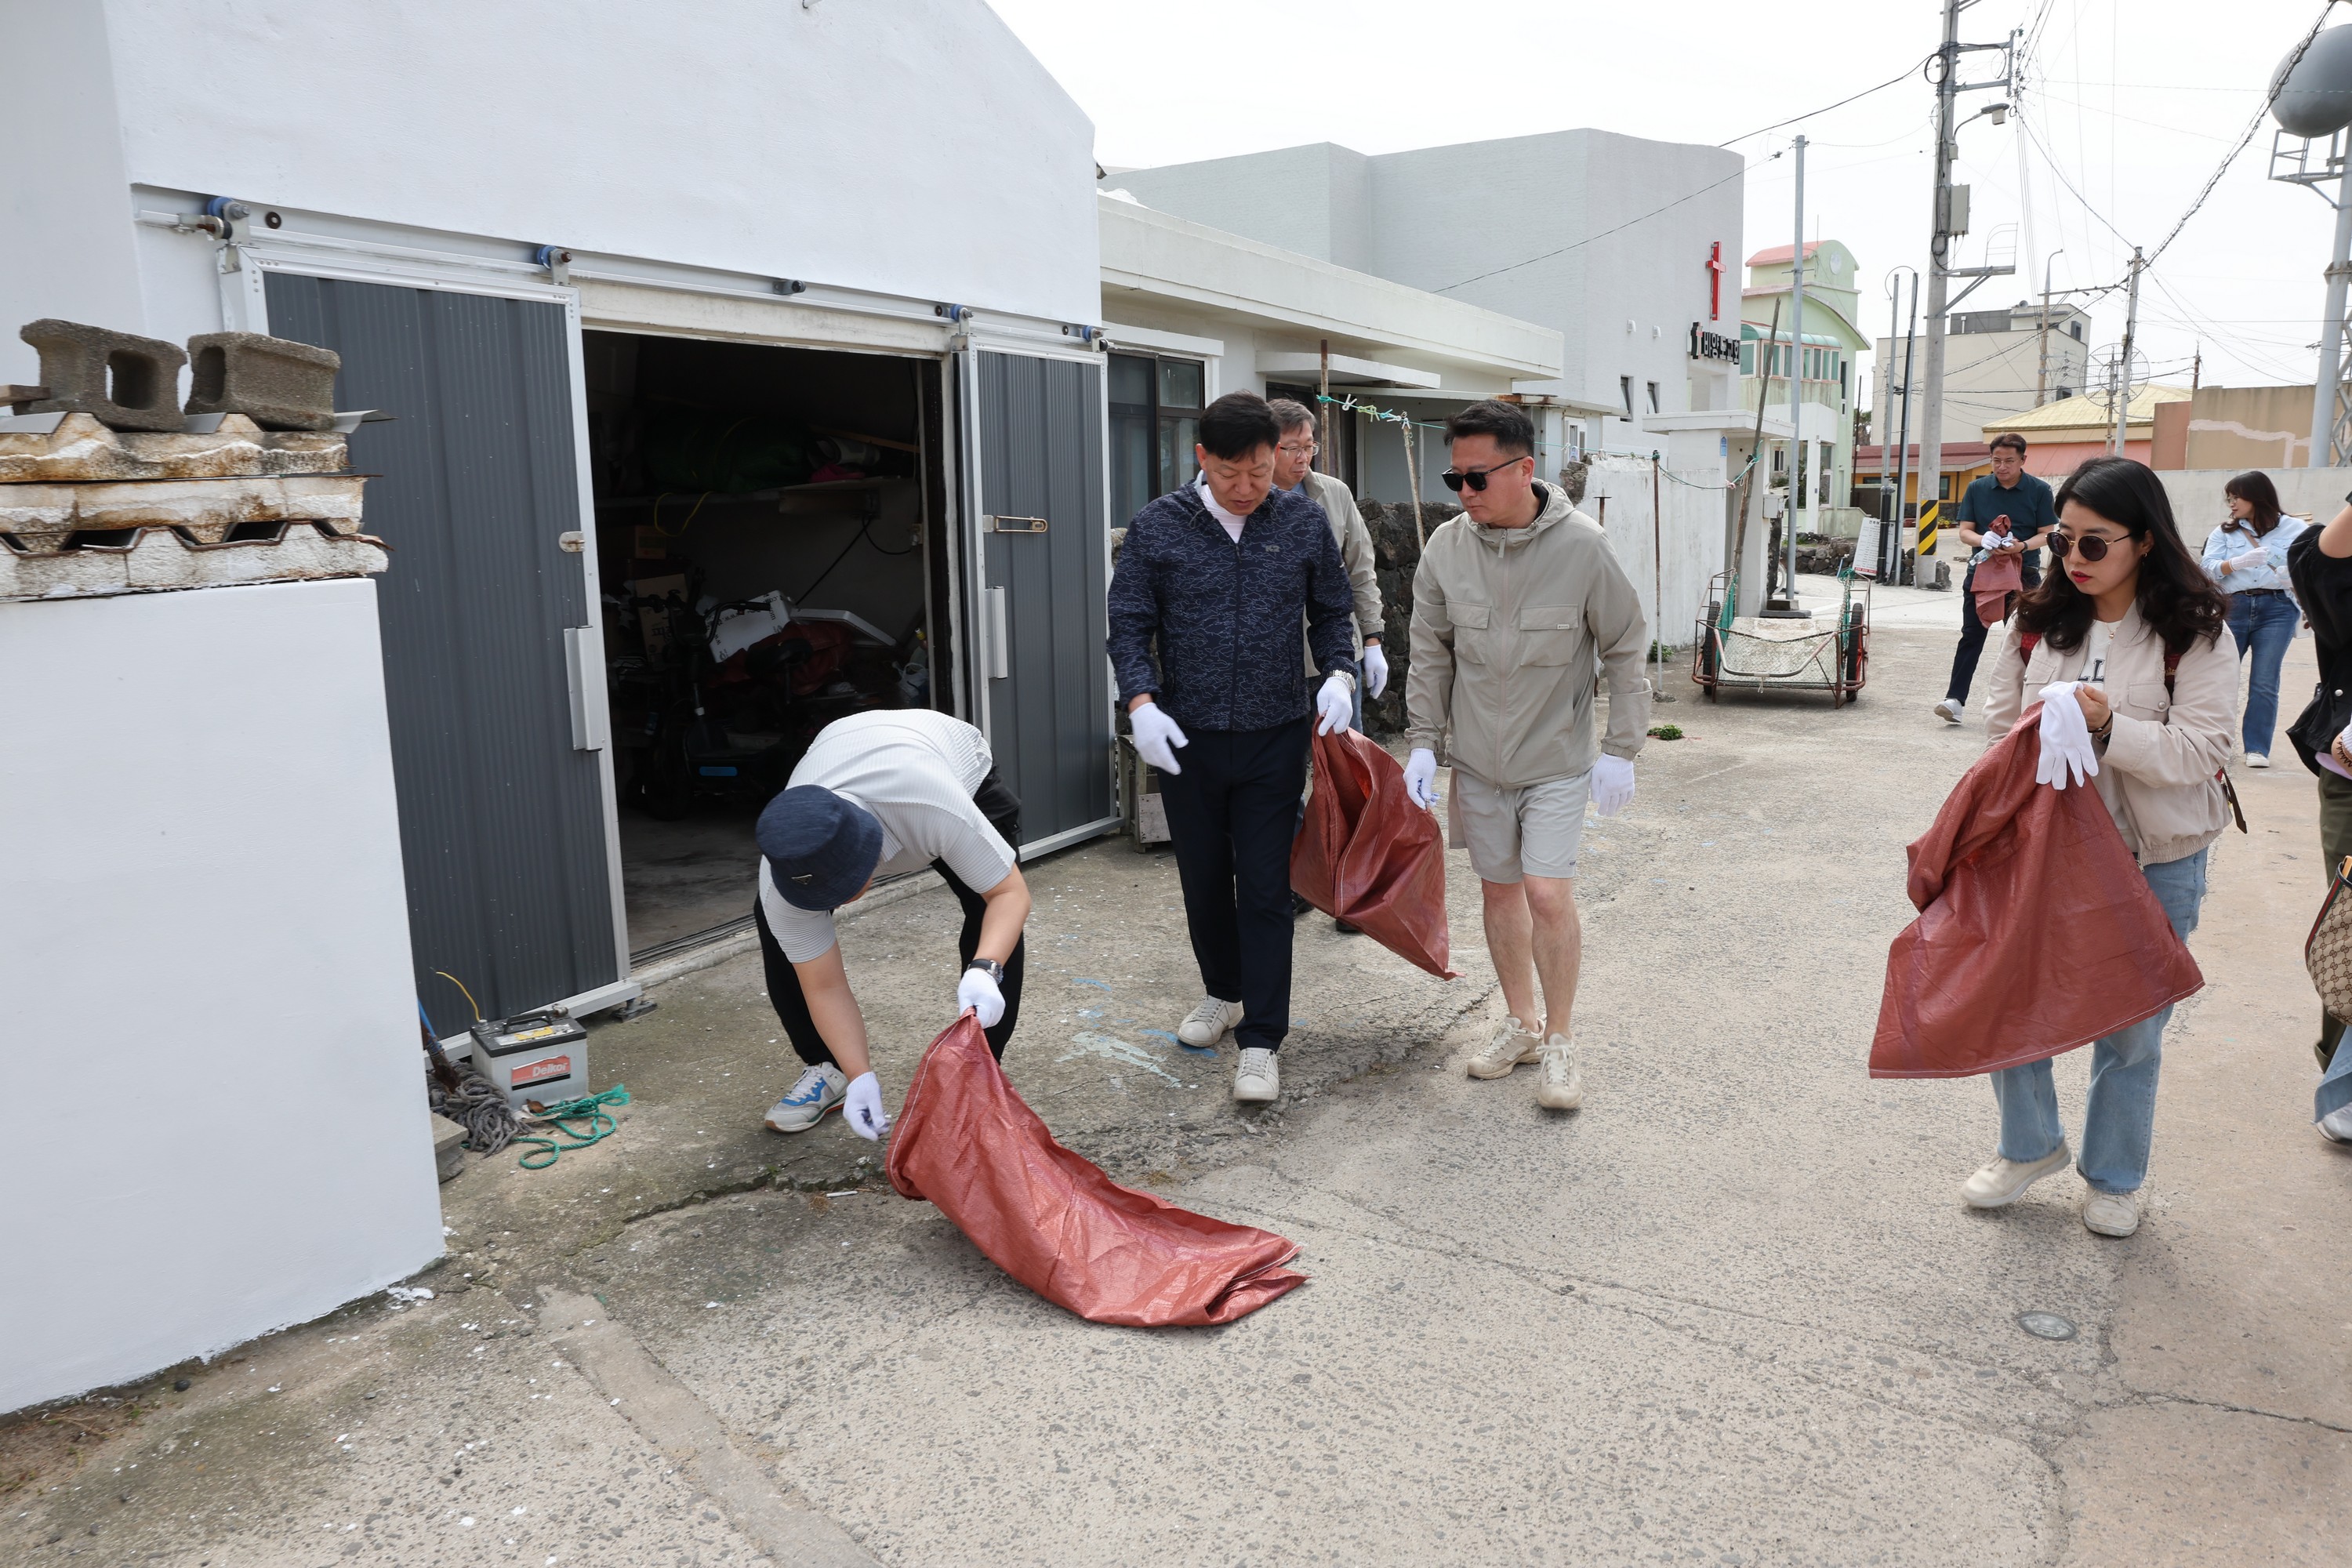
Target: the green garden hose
(583, 1120)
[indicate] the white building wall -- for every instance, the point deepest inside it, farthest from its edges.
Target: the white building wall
(834, 143)
(221, 1126)
(1671, 565)
(1531, 210)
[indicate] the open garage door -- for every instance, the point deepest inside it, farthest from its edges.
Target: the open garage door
(1040, 544)
(487, 634)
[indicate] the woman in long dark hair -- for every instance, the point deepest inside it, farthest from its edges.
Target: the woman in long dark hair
(2133, 621)
(2247, 556)
(2321, 562)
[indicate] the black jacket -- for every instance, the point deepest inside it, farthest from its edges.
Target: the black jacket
(1225, 613)
(2323, 586)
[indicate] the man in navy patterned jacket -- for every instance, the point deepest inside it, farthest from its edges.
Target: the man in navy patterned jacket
(1217, 574)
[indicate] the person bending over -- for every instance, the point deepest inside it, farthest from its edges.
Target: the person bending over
(882, 795)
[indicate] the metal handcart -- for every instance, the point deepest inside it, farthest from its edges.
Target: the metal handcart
(1763, 653)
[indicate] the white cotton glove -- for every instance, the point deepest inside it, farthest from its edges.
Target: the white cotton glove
(1376, 669)
(1612, 784)
(978, 992)
(1420, 778)
(1337, 704)
(1155, 735)
(2065, 739)
(863, 1109)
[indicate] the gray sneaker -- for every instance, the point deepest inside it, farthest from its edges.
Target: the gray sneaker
(820, 1090)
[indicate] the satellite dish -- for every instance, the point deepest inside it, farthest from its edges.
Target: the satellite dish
(2313, 96)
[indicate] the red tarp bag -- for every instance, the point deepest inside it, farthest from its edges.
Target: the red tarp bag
(966, 1142)
(1371, 857)
(2036, 933)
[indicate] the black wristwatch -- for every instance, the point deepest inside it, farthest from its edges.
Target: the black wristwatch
(989, 967)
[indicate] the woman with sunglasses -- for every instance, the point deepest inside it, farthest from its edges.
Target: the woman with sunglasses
(2132, 620)
(2247, 556)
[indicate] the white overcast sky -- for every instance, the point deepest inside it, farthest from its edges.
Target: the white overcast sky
(2135, 102)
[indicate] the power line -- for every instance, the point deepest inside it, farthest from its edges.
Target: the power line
(2253, 125)
(1902, 76)
(1588, 239)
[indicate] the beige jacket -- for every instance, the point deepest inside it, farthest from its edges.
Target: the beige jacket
(1355, 543)
(1508, 624)
(2157, 770)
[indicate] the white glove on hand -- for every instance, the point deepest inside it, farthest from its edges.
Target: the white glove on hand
(2065, 739)
(978, 992)
(1612, 784)
(863, 1109)
(1376, 669)
(1420, 778)
(1155, 735)
(1337, 703)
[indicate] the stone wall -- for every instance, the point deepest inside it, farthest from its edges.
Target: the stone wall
(1397, 548)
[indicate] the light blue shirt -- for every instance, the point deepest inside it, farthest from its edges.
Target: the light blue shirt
(2262, 562)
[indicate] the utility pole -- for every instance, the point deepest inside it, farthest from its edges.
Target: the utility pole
(1891, 546)
(1797, 442)
(2041, 371)
(2123, 359)
(1952, 221)
(2326, 446)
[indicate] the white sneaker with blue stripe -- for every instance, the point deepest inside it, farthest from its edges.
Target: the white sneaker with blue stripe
(820, 1090)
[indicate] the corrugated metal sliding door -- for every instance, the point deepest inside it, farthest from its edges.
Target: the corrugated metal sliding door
(1044, 565)
(501, 819)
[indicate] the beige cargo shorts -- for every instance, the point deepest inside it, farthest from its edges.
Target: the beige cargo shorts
(1516, 833)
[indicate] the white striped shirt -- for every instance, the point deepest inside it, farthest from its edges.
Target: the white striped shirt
(916, 771)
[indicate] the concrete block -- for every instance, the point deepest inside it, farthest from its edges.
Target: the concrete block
(278, 384)
(43, 517)
(158, 560)
(130, 383)
(82, 449)
(448, 1146)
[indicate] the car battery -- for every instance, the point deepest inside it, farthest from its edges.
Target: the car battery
(535, 1058)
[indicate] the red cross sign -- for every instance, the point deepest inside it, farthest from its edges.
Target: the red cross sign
(1715, 282)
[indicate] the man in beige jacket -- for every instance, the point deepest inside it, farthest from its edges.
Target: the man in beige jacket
(1515, 602)
(1294, 466)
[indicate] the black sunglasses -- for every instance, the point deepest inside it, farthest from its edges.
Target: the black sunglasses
(1476, 479)
(2094, 547)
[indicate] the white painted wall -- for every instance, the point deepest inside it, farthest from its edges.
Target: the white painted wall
(1671, 567)
(2199, 505)
(915, 149)
(220, 1125)
(1434, 217)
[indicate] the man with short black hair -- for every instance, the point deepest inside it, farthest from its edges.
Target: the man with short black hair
(1518, 605)
(882, 795)
(1216, 574)
(2001, 513)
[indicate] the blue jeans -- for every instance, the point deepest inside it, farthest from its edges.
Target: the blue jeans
(2335, 1092)
(2120, 1113)
(2266, 623)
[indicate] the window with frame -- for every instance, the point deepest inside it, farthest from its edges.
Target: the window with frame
(1653, 396)
(1155, 421)
(1625, 393)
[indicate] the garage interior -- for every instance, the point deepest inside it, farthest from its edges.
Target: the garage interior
(766, 531)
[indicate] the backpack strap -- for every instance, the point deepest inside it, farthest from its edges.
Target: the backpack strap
(2027, 641)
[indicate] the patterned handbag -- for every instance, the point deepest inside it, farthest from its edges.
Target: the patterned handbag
(2327, 951)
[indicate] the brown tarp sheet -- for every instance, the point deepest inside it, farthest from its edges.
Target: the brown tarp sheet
(966, 1142)
(2036, 933)
(1371, 857)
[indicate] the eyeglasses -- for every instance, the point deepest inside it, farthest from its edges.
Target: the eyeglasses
(2093, 546)
(1300, 449)
(1476, 479)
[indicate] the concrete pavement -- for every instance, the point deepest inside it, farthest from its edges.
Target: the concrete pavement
(1731, 1312)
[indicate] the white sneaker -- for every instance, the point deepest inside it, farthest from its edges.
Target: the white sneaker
(2111, 1213)
(1511, 1044)
(2336, 1125)
(2257, 760)
(1258, 1078)
(1206, 1024)
(2004, 1181)
(1952, 710)
(1559, 1087)
(820, 1090)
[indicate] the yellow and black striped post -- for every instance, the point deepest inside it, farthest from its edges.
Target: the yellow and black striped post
(1928, 529)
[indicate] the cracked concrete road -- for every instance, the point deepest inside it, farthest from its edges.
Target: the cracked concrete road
(1731, 1312)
